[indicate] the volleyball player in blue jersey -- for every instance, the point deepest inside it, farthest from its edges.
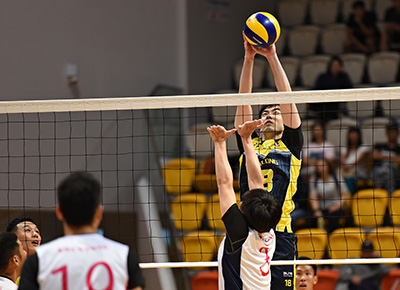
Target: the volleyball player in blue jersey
(278, 149)
(245, 253)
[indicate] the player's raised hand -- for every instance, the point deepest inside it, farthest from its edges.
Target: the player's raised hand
(219, 133)
(245, 130)
(268, 51)
(250, 52)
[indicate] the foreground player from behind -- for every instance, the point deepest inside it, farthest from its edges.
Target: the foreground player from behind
(12, 257)
(245, 253)
(82, 259)
(279, 152)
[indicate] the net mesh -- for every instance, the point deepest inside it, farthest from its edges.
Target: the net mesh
(154, 158)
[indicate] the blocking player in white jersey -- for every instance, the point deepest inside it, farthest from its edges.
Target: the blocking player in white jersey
(245, 253)
(12, 257)
(82, 259)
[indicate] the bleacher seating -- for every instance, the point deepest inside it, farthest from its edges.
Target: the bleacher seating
(333, 37)
(292, 12)
(311, 67)
(303, 40)
(323, 12)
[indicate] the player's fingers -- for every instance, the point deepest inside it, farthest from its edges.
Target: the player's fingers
(230, 132)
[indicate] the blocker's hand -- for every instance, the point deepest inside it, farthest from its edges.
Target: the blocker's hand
(245, 130)
(219, 133)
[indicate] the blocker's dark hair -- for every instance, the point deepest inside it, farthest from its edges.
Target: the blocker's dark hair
(261, 210)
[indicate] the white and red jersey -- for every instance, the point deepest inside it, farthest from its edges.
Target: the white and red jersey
(88, 261)
(244, 261)
(7, 284)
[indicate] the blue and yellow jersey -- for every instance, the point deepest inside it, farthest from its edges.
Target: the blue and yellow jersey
(280, 162)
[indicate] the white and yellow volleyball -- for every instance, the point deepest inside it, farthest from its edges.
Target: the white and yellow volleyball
(262, 29)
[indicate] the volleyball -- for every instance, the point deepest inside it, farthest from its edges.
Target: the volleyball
(262, 29)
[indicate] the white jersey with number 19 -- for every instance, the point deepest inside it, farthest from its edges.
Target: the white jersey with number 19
(88, 261)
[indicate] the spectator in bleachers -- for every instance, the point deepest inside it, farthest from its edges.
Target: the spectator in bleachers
(334, 78)
(391, 35)
(386, 157)
(362, 31)
(318, 149)
(362, 276)
(328, 193)
(353, 161)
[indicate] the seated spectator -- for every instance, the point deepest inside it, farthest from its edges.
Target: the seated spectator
(318, 149)
(27, 232)
(386, 160)
(353, 162)
(334, 78)
(328, 193)
(362, 31)
(362, 276)
(12, 258)
(391, 35)
(306, 275)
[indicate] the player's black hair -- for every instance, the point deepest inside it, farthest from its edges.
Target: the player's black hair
(8, 248)
(78, 198)
(358, 4)
(312, 265)
(12, 226)
(261, 210)
(263, 107)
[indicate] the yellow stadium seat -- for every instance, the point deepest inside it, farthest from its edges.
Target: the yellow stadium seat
(386, 241)
(346, 243)
(394, 207)
(214, 214)
(188, 211)
(199, 246)
(206, 182)
(311, 243)
(369, 207)
(179, 174)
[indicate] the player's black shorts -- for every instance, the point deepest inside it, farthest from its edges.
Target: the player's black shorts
(286, 249)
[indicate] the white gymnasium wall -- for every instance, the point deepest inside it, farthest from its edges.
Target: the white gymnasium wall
(121, 47)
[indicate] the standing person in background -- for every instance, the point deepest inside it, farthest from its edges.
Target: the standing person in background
(82, 259)
(12, 258)
(279, 153)
(27, 232)
(335, 78)
(353, 162)
(244, 255)
(362, 31)
(391, 36)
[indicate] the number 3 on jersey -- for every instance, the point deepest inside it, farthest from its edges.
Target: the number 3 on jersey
(268, 174)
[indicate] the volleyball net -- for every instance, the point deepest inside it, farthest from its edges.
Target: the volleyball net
(154, 158)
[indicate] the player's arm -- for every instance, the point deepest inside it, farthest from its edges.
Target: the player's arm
(245, 113)
(222, 168)
(290, 115)
(255, 178)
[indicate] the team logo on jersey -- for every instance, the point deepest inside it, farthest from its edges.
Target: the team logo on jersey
(287, 274)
